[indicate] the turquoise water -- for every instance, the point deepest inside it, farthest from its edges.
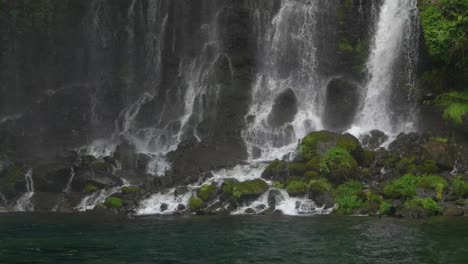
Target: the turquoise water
(58, 238)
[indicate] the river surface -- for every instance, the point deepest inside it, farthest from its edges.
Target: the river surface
(80, 238)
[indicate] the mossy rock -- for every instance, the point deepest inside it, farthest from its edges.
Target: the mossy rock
(293, 178)
(246, 189)
(368, 158)
(130, 189)
(338, 165)
(316, 144)
(459, 186)
(277, 170)
(349, 198)
(311, 175)
(385, 208)
(207, 192)
(420, 207)
(296, 188)
(320, 185)
(195, 204)
(436, 183)
(404, 186)
(313, 164)
(89, 188)
(113, 202)
(297, 168)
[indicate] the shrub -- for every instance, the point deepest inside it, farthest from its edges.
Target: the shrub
(402, 187)
(347, 196)
(436, 183)
(385, 208)
(459, 186)
(113, 202)
(195, 203)
(338, 164)
(429, 205)
(320, 185)
(296, 188)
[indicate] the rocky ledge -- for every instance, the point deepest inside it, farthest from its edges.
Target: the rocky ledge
(414, 176)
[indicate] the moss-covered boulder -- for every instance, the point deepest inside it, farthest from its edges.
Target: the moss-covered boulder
(433, 182)
(419, 208)
(296, 188)
(297, 168)
(277, 170)
(130, 189)
(404, 186)
(90, 188)
(113, 202)
(338, 165)
(319, 191)
(316, 144)
(250, 189)
(459, 187)
(440, 152)
(207, 192)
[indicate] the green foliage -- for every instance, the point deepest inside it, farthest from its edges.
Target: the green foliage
(455, 105)
(310, 175)
(277, 185)
(436, 183)
(195, 203)
(439, 139)
(309, 144)
(345, 46)
(207, 192)
(348, 197)
(130, 189)
(275, 166)
(296, 188)
(89, 188)
(313, 164)
(246, 188)
(338, 164)
(113, 202)
(320, 185)
(427, 204)
(402, 187)
(385, 208)
(459, 186)
(296, 168)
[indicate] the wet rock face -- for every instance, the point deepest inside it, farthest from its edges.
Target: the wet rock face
(284, 108)
(374, 139)
(341, 104)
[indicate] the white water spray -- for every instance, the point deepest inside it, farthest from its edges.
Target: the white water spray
(25, 203)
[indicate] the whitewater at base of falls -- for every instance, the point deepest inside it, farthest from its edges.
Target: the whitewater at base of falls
(164, 203)
(25, 203)
(98, 197)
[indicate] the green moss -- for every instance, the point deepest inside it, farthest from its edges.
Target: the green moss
(311, 175)
(402, 187)
(296, 168)
(195, 203)
(429, 205)
(345, 46)
(348, 197)
(455, 112)
(113, 202)
(89, 188)
(407, 164)
(296, 188)
(320, 185)
(309, 144)
(130, 189)
(240, 190)
(433, 182)
(439, 139)
(369, 157)
(228, 186)
(293, 178)
(207, 192)
(314, 164)
(275, 167)
(277, 185)
(428, 167)
(455, 105)
(459, 186)
(338, 164)
(385, 208)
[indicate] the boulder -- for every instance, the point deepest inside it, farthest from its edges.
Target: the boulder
(453, 210)
(274, 198)
(374, 139)
(321, 198)
(342, 100)
(441, 153)
(284, 108)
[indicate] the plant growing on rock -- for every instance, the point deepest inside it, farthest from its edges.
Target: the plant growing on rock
(427, 204)
(296, 188)
(130, 189)
(207, 192)
(89, 188)
(113, 202)
(240, 190)
(459, 186)
(320, 185)
(348, 197)
(338, 165)
(436, 183)
(402, 187)
(195, 203)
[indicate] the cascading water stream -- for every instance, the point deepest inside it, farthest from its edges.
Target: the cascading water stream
(65, 191)
(25, 203)
(396, 39)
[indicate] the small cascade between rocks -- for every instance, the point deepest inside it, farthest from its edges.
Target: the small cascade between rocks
(24, 203)
(98, 197)
(168, 202)
(65, 191)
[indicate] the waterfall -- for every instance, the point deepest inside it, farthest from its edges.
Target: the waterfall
(287, 61)
(396, 40)
(98, 197)
(25, 203)
(164, 203)
(65, 191)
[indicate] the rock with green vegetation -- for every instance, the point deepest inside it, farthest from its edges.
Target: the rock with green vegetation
(345, 46)
(277, 185)
(319, 191)
(11, 178)
(311, 175)
(420, 207)
(89, 188)
(459, 186)
(441, 153)
(338, 165)
(195, 204)
(320, 185)
(348, 196)
(402, 187)
(113, 202)
(277, 170)
(296, 188)
(207, 192)
(385, 208)
(245, 190)
(313, 164)
(436, 183)
(130, 189)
